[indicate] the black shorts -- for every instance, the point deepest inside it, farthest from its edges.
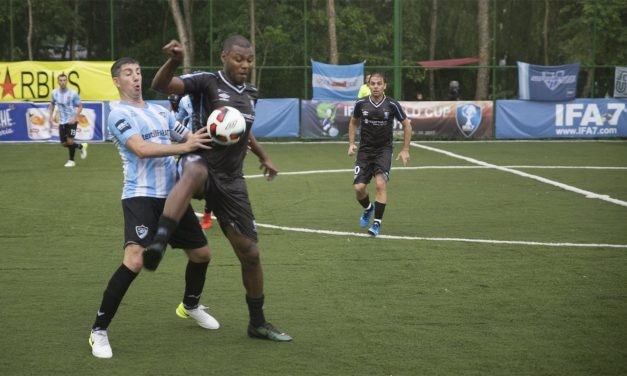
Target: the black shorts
(370, 162)
(141, 216)
(67, 131)
(227, 198)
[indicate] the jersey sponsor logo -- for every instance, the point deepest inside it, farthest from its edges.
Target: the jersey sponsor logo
(122, 126)
(141, 231)
(156, 133)
(224, 96)
(468, 118)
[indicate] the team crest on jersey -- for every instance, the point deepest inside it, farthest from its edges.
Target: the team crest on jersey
(141, 231)
(386, 115)
(468, 118)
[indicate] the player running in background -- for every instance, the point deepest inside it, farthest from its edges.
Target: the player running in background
(375, 115)
(216, 174)
(69, 107)
(142, 134)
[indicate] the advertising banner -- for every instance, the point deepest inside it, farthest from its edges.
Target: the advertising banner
(276, 118)
(547, 83)
(27, 121)
(35, 80)
(620, 82)
(580, 118)
(430, 120)
(336, 82)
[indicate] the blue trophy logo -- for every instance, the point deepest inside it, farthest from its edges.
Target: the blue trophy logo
(468, 118)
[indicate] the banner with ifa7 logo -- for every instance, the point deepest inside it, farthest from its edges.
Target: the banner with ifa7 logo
(580, 118)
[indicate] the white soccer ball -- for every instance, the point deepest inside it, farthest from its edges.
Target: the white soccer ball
(226, 125)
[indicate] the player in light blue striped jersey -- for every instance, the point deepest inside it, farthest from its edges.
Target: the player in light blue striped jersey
(69, 108)
(142, 133)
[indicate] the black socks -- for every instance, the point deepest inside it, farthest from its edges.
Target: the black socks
(255, 311)
(194, 282)
(112, 297)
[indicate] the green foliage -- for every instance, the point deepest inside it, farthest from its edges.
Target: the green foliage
(589, 31)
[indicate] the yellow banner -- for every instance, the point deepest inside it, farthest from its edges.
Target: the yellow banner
(35, 80)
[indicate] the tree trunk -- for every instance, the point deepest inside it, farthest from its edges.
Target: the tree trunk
(253, 42)
(29, 36)
(483, 75)
(432, 42)
(545, 32)
(73, 43)
(181, 29)
(187, 13)
(333, 55)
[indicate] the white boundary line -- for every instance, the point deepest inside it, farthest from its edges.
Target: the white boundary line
(478, 165)
(423, 238)
(311, 172)
(587, 194)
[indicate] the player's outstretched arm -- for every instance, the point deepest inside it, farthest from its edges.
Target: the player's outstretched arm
(145, 149)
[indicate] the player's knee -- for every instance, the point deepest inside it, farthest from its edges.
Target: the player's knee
(360, 189)
(249, 255)
(200, 255)
(194, 174)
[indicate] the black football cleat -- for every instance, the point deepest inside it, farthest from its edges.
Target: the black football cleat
(152, 255)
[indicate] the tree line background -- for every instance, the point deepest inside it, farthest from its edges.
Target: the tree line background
(288, 33)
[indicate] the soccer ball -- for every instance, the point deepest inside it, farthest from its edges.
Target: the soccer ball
(226, 125)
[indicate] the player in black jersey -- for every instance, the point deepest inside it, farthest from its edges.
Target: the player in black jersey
(375, 114)
(216, 175)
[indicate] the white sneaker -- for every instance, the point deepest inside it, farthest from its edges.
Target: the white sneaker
(99, 342)
(69, 164)
(84, 150)
(202, 318)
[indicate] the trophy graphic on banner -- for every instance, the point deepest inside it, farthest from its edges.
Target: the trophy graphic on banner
(469, 113)
(468, 118)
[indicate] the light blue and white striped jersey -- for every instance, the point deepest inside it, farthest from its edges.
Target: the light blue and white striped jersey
(66, 103)
(185, 112)
(145, 177)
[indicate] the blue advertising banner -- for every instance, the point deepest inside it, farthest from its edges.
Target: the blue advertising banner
(547, 83)
(28, 121)
(580, 118)
(276, 118)
(336, 82)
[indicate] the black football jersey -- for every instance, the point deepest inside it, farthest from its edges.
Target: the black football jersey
(210, 91)
(377, 121)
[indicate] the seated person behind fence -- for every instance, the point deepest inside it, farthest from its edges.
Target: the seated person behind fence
(453, 91)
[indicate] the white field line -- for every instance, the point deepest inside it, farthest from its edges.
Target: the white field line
(311, 172)
(437, 239)
(587, 194)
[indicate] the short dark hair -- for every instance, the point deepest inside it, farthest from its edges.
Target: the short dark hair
(62, 75)
(115, 68)
(378, 74)
(235, 40)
